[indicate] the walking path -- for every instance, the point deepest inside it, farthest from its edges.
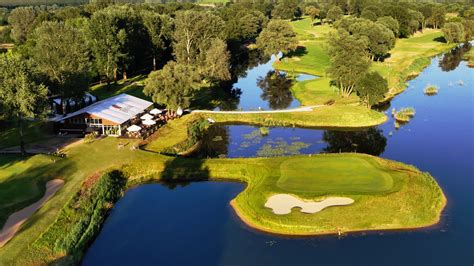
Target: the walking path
(300, 109)
(14, 221)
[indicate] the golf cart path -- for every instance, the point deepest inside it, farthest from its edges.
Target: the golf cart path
(294, 110)
(14, 221)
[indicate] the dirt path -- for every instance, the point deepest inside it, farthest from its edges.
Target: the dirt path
(294, 110)
(15, 220)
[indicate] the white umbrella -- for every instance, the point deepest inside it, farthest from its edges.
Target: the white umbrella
(133, 128)
(148, 122)
(146, 117)
(155, 111)
(179, 112)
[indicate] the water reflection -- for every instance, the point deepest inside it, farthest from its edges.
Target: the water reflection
(451, 60)
(253, 141)
(369, 141)
(276, 90)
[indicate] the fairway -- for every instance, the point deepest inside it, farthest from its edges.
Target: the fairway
(334, 175)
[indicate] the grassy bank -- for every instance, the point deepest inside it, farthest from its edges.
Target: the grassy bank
(388, 195)
(469, 56)
(407, 59)
(337, 116)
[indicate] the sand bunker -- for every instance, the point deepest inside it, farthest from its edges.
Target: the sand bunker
(283, 203)
(15, 220)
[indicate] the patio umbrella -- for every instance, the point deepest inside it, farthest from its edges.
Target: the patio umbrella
(146, 117)
(148, 122)
(133, 128)
(155, 111)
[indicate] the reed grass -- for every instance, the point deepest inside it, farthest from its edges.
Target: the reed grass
(431, 90)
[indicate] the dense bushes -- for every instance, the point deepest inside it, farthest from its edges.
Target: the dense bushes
(195, 133)
(42, 2)
(81, 219)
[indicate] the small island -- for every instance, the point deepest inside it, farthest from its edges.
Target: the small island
(387, 195)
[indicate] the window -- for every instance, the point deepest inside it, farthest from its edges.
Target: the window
(94, 122)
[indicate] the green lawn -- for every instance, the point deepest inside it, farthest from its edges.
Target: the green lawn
(408, 58)
(33, 131)
(22, 182)
(354, 175)
(388, 195)
(469, 56)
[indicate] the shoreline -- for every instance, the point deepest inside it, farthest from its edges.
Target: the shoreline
(262, 229)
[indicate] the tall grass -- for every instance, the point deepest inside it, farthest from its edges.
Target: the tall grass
(81, 219)
(431, 90)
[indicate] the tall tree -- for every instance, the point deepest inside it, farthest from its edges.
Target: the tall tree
(194, 31)
(20, 96)
(286, 9)
(118, 40)
(22, 21)
(61, 55)
(216, 64)
(277, 37)
(312, 12)
(439, 16)
(379, 38)
(453, 32)
(371, 88)
(159, 28)
(390, 23)
(173, 85)
(334, 13)
(348, 60)
(106, 41)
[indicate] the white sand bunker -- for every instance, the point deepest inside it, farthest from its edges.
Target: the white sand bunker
(283, 203)
(15, 220)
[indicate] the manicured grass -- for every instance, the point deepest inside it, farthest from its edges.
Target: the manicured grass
(312, 58)
(173, 133)
(407, 59)
(335, 116)
(318, 91)
(22, 182)
(82, 161)
(354, 175)
(33, 131)
(388, 195)
(412, 200)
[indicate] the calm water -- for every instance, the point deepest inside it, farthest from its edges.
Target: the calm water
(194, 225)
(262, 88)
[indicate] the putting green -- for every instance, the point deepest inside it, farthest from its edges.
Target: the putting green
(343, 174)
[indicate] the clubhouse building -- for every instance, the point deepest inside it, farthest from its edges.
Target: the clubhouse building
(110, 117)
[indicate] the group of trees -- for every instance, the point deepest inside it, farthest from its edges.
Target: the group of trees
(71, 46)
(459, 31)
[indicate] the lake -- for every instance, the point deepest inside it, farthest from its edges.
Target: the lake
(260, 87)
(193, 224)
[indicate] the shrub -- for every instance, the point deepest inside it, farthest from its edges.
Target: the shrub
(404, 115)
(89, 138)
(80, 220)
(196, 131)
(431, 90)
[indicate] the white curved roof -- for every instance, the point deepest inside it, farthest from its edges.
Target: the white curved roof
(117, 109)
